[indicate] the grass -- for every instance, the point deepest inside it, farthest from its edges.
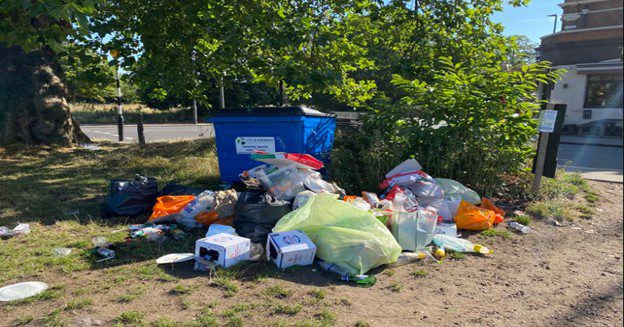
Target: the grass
(181, 290)
(77, 304)
(278, 291)
(489, 233)
(132, 317)
(318, 293)
(287, 309)
(96, 113)
(420, 273)
(395, 287)
(228, 286)
(586, 212)
(453, 255)
(390, 272)
(550, 209)
(133, 294)
(361, 323)
(523, 219)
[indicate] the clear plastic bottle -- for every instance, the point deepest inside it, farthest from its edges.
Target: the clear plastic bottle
(459, 244)
(519, 227)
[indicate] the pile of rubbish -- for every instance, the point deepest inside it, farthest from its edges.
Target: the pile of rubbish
(288, 214)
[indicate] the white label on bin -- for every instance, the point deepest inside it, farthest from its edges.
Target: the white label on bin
(249, 144)
(547, 121)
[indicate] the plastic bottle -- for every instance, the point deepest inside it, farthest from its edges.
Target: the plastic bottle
(459, 244)
(345, 274)
(519, 227)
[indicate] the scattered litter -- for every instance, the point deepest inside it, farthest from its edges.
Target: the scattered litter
(223, 249)
(215, 229)
(20, 229)
(413, 230)
(130, 197)
(291, 248)
(449, 229)
(345, 274)
(175, 258)
(519, 227)
(459, 245)
(90, 146)
(343, 234)
(256, 213)
(301, 199)
(471, 217)
(102, 248)
(61, 252)
(21, 291)
(410, 257)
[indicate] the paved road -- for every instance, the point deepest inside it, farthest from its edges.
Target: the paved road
(595, 161)
(152, 132)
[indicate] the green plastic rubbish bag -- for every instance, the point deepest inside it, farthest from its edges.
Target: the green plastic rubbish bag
(455, 190)
(343, 234)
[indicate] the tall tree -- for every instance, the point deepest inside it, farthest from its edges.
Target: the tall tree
(34, 106)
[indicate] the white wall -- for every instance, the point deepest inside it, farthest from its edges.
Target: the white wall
(574, 96)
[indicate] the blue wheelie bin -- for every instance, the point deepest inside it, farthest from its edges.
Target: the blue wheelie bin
(241, 131)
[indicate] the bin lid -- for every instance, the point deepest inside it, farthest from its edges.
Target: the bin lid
(272, 111)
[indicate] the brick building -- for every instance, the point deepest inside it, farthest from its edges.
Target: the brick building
(589, 47)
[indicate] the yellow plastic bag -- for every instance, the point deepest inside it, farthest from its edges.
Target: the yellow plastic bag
(343, 234)
(169, 204)
(471, 217)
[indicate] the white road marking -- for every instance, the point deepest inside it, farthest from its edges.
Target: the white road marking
(113, 134)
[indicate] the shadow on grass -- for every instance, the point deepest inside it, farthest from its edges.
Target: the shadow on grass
(48, 184)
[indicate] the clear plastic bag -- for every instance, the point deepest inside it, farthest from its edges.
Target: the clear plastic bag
(283, 183)
(454, 189)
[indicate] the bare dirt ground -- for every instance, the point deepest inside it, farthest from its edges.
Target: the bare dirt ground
(557, 276)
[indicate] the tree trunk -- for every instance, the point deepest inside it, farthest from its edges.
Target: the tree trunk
(33, 100)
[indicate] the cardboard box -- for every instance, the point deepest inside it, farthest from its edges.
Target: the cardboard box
(224, 250)
(290, 248)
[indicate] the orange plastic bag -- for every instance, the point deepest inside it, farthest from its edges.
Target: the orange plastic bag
(169, 204)
(488, 205)
(471, 217)
(207, 218)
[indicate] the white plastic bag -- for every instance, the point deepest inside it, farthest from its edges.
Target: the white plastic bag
(203, 202)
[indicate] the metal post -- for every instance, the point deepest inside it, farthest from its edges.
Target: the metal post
(539, 165)
(140, 130)
(195, 82)
(120, 119)
(555, 25)
(221, 92)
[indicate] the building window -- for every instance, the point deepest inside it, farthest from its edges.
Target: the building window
(604, 91)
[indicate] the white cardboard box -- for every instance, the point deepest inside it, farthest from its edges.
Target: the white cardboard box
(290, 248)
(224, 250)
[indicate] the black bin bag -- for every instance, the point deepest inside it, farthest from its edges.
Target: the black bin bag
(130, 197)
(256, 213)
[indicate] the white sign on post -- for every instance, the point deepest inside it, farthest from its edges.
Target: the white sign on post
(547, 121)
(249, 144)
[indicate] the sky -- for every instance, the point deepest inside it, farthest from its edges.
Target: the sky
(532, 20)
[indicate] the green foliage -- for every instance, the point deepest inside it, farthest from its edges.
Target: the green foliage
(474, 121)
(550, 209)
(420, 273)
(131, 317)
(34, 24)
(523, 219)
(496, 233)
